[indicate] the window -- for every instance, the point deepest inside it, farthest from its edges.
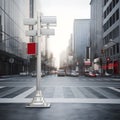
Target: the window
(117, 14)
(0, 20)
(0, 29)
(115, 32)
(113, 17)
(112, 35)
(112, 20)
(114, 50)
(114, 3)
(117, 1)
(111, 52)
(118, 49)
(110, 6)
(107, 10)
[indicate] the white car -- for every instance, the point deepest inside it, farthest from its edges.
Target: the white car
(61, 72)
(74, 73)
(23, 73)
(33, 74)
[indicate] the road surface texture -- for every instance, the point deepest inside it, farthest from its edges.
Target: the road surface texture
(71, 98)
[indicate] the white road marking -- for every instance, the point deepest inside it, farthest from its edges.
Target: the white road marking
(115, 89)
(26, 93)
(2, 86)
(62, 100)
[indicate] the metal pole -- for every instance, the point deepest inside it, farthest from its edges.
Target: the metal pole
(38, 100)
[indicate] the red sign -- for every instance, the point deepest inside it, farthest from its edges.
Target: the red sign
(31, 48)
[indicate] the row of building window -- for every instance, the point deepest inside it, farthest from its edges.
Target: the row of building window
(115, 49)
(111, 20)
(112, 35)
(0, 29)
(110, 7)
(105, 2)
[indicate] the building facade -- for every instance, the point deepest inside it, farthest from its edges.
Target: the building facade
(13, 58)
(81, 34)
(106, 13)
(111, 36)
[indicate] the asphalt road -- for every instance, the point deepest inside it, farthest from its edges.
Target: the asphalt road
(71, 98)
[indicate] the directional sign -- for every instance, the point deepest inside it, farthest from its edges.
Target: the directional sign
(31, 33)
(48, 20)
(47, 31)
(30, 21)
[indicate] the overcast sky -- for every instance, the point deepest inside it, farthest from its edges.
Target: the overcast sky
(65, 11)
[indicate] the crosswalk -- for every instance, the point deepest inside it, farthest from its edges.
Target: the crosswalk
(62, 94)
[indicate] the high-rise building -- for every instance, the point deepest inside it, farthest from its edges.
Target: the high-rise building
(96, 28)
(81, 35)
(13, 57)
(96, 33)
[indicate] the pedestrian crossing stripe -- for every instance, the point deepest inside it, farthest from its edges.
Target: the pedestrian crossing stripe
(77, 96)
(2, 86)
(62, 100)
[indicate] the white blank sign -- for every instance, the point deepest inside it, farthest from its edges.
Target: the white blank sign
(48, 20)
(47, 31)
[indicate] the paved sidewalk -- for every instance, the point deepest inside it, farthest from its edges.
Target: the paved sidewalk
(60, 112)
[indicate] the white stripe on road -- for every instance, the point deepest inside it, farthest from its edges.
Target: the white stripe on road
(115, 89)
(62, 100)
(26, 93)
(2, 86)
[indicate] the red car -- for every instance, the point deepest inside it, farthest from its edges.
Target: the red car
(92, 74)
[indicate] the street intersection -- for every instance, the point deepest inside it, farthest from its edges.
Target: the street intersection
(71, 98)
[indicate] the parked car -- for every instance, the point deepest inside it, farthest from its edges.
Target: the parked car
(33, 74)
(98, 74)
(61, 72)
(86, 73)
(23, 73)
(90, 74)
(107, 74)
(68, 73)
(74, 73)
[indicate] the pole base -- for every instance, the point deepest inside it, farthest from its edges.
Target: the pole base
(38, 101)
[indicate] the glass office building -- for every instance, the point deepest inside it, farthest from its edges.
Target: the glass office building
(13, 57)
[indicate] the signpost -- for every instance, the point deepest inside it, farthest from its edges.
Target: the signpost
(11, 61)
(38, 99)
